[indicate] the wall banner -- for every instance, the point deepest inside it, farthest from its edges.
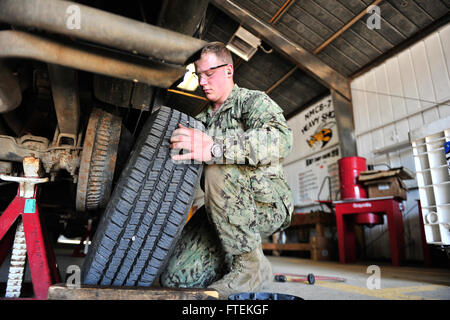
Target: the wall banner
(314, 129)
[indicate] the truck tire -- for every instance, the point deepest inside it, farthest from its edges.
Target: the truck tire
(147, 209)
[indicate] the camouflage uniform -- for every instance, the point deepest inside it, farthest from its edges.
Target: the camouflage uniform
(246, 195)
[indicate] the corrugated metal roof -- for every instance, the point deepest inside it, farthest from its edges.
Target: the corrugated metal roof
(309, 23)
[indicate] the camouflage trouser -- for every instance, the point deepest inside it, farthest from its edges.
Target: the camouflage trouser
(231, 223)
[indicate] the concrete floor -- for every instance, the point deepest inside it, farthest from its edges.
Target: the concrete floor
(396, 283)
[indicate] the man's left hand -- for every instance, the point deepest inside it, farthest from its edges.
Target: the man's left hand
(195, 141)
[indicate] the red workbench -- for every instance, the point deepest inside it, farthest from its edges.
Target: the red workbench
(371, 210)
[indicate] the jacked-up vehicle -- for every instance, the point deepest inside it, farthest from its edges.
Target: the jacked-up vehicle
(81, 88)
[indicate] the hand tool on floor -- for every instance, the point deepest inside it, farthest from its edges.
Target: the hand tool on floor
(309, 278)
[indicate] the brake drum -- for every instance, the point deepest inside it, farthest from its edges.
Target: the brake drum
(98, 160)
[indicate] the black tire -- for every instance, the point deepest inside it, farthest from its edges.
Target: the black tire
(147, 209)
(98, 160)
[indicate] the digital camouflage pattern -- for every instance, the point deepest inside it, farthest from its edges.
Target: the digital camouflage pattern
(198, 258)
(246, 194)
(254, 132)
(237, 214)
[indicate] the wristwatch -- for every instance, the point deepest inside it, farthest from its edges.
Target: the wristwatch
(217, 150)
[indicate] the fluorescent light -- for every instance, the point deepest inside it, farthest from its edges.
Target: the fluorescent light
(190, 80)
(243, 43)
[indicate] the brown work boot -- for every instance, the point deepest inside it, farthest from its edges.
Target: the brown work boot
(248, 272)
(266, 269)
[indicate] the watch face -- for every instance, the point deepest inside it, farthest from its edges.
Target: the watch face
(216, 150)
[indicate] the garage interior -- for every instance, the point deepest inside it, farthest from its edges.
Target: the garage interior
(367, 80)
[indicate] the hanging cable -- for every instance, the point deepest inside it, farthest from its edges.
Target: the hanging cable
(264, 50)
(403, 97)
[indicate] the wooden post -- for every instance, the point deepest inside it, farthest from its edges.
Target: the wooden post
(343, 111)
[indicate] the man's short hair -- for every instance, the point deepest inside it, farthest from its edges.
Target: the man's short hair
(219, 50)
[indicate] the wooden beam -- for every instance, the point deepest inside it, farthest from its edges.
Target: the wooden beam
(344, 28)
(305, 60)
(85, 292)
(282, 11)
(187, 94)
(281, 80)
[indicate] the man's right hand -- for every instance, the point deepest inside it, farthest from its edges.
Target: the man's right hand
(197, 142)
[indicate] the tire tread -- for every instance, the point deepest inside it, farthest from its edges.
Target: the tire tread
(147, 209)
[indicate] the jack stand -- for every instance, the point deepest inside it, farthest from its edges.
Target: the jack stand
(86, 237)
(29, 239)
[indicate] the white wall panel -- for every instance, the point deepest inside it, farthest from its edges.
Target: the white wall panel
(422, 75)
(372, 101)
(401, 129)
(440, 79)
(389, 134)
(444, 111)
(415, 121)
(359, 98)
(365, 143)
(377, 139)
(384, 98)
(394, 159)
(407, 161)
(405, 92)
(430, 115)
(444, 37)
(409, 84)
(395, 88)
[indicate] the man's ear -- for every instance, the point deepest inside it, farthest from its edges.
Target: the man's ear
(230, 70)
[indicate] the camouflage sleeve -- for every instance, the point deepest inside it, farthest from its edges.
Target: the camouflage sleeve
(266, 139)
